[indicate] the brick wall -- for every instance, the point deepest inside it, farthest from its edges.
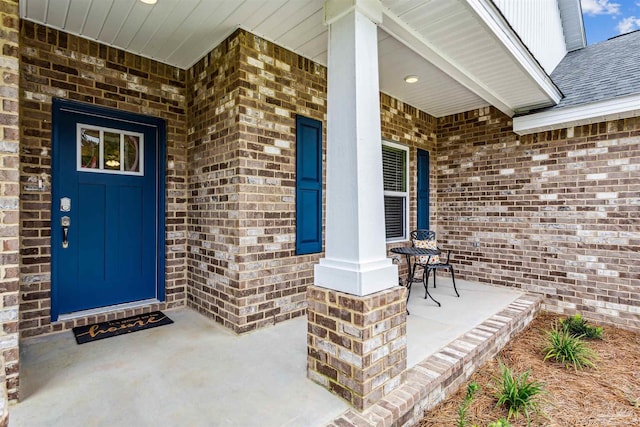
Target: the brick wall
(242, 263)
(357, 345)
(212, 184)
(9, 203)
(244, 99)
(557, 213)
(406, 125)
(56, 64)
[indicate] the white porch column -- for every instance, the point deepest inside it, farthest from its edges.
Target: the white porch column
(355, 249)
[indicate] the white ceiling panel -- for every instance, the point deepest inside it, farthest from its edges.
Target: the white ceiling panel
(95, 18)
(279, 23)
(460, 62)
(134, 23)
(76, 15)
(113, 23)
(177, 19)
(402, 7)
(155, 22)
(436, 92)
(299, 32)
(252, 18)
(57, 15)
(36, 11)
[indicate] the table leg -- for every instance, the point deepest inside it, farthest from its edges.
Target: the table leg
(409, 281)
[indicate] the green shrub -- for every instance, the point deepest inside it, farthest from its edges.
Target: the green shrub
(578, 327)
(517, 393)
(472, 388)
(500, 423)
(567, 349)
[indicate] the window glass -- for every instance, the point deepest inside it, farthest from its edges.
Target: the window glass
(112, 151)
(395, 173)
(132, 153)
(394, 167)
(90, 148)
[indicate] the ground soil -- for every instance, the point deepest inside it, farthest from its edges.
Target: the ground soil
(608, 395)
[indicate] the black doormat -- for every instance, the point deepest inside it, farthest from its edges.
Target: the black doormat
(127, 325)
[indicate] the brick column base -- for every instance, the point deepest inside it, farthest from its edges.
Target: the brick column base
(357, 346)
(4, 401)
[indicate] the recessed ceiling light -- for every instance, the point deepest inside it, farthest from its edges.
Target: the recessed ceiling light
(411, 79)
(149, 1)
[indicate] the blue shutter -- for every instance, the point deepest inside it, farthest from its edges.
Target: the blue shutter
(308, 186)
(423, 190)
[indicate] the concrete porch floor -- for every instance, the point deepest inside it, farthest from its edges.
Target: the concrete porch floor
(197, 373)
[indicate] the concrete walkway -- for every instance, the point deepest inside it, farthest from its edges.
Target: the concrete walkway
(196, 373)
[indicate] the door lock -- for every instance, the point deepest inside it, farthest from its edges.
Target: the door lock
(65, 222)
(65, 204)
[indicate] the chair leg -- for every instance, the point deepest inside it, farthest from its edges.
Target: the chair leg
(453, 278)
(425, 277)
(434, 278)
(425, 281)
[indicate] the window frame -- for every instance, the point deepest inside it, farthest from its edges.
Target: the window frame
(404, 194)
(101, 169)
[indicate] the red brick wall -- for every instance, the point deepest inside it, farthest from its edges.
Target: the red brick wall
(9, 203)
(246, 94)
(406, 125)
(56, 64)
(213, 163)
(242, 263)
(556, 213)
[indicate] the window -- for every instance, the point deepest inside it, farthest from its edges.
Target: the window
(107, 150)
(395, 176)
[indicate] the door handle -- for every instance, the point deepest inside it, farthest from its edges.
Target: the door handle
(65, 222)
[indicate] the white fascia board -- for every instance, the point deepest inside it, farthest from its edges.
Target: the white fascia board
(393, 25)
(611, 109)
(500, 28)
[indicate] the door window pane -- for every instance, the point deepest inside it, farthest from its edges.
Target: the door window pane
(90, 148)
(132, 153)
(112, 151)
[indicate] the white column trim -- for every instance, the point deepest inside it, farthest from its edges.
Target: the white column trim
(355, 259)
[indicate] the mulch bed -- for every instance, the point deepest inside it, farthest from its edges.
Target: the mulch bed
(606, 396)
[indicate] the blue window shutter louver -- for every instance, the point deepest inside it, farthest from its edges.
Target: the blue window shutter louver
(308, 186)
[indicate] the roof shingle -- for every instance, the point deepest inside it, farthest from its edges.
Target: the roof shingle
(599, 72)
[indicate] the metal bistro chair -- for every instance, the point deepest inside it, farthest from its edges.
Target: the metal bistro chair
(427, 239)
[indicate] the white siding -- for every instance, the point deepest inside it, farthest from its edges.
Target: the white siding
(571, 14)
(538, 24)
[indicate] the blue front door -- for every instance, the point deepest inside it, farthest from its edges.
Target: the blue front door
(107, 208)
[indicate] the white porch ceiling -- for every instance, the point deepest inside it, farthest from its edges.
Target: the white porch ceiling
(461, 61)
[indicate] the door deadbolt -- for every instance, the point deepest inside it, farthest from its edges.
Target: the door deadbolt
(65, 204)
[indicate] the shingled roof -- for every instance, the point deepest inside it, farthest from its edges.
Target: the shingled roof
(602, 71)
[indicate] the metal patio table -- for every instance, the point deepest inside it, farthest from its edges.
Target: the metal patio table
(409, 253)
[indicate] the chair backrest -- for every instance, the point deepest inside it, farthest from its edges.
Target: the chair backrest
(425, 239)
(423, 234)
